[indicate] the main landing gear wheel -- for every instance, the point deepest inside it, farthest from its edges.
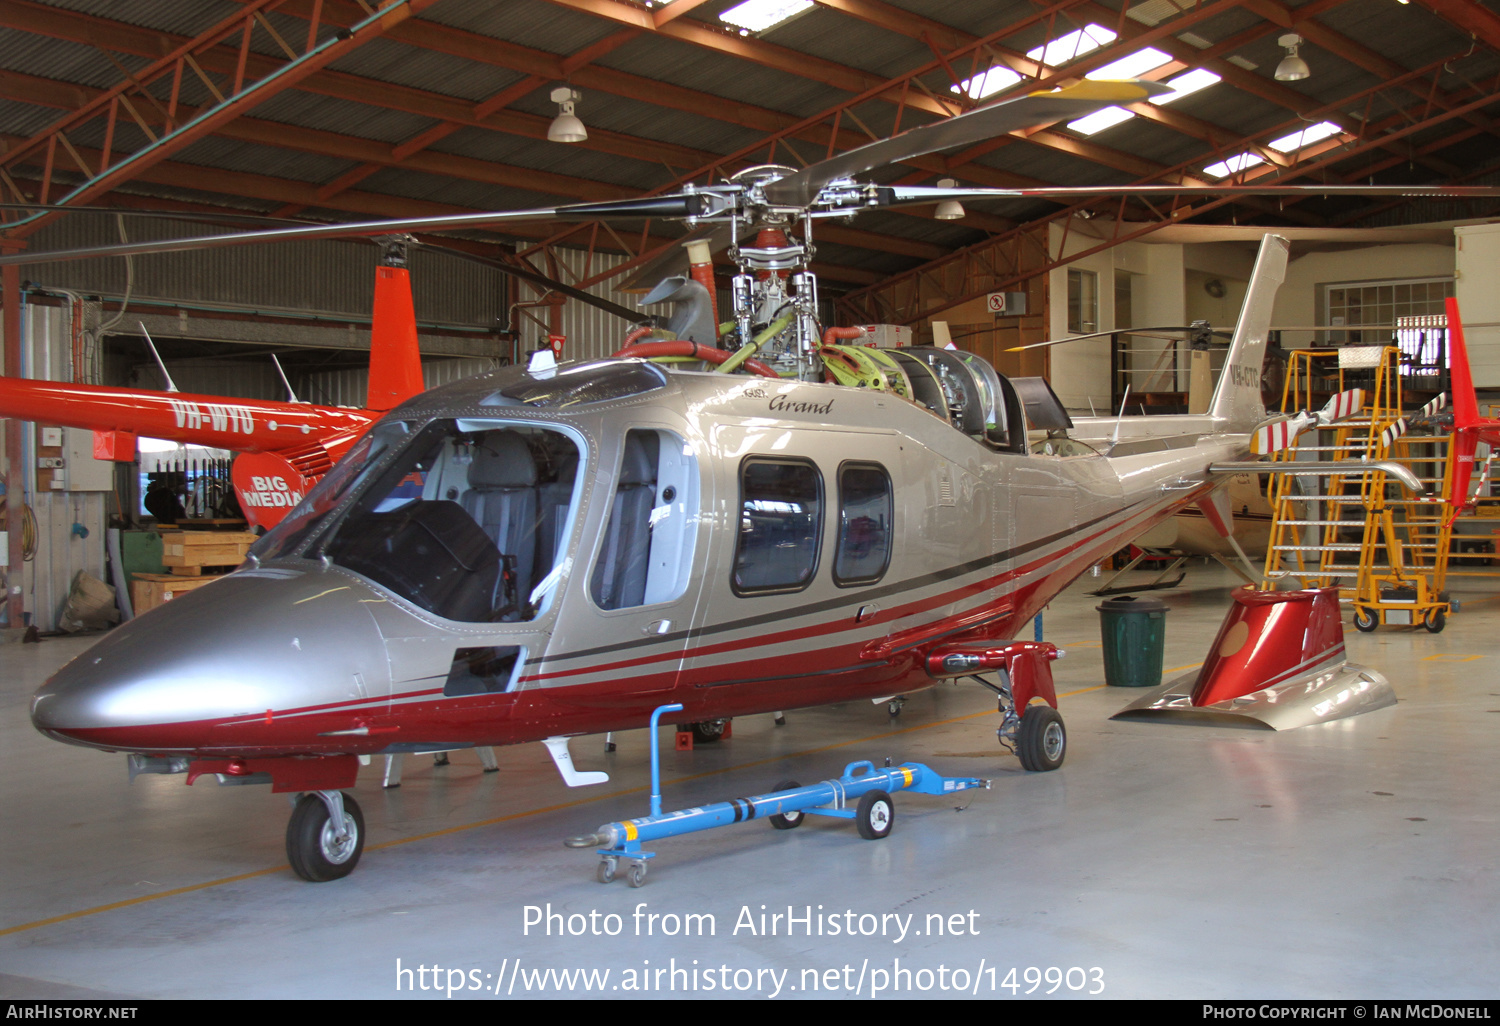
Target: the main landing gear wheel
(320, 849)
(706, 732)
(875, 815)
(1364, 620)
(1436, 621)
(1042, 740)
(788, 820)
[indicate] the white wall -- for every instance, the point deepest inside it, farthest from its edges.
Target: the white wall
(1477, 262)
(1296, 303)
(1080, 371)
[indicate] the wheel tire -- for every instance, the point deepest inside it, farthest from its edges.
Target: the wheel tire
(1364, 620)
(1042, 741)
(606, 871)
(1436, 621)
(788, 820)
(893, 708)
(707, 732)
(311, 846)
(637, 874)
(875, 816)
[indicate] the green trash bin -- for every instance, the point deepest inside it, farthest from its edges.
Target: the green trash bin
(1134, 631)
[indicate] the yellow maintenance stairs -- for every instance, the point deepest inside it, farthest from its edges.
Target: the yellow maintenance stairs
(1351, 525)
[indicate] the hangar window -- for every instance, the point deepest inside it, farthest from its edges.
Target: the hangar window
(781, 522)
(467, 521)
(866, 510)
(647, 551)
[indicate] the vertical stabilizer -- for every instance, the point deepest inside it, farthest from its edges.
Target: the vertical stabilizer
(1237, 404)
(1461, 378)
(395, 362)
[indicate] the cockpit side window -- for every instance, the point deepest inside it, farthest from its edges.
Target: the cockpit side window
(781, 525)
(455, 524)
(647, 552)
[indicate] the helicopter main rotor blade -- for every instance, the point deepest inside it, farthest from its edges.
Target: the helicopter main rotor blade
(901, 195)
(802, 187)
(173, 215)
(1179, 334)
(676, 205)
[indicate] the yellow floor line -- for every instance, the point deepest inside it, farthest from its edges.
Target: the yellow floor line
(174, 892)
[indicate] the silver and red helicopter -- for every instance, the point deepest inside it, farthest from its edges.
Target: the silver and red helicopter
(551, 551)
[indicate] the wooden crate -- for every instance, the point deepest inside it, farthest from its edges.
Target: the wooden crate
(186, 553)
(147, 591)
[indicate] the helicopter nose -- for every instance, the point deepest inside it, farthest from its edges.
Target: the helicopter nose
(254, 644)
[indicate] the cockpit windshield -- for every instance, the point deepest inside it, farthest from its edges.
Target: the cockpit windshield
(468, 521)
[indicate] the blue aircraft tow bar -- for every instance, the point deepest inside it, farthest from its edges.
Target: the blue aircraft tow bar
(862, 794)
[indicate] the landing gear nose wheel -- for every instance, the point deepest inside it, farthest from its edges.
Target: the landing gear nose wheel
(1042, 740)
(319, 846)
(706, 732)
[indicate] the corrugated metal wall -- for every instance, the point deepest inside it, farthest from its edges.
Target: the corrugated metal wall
(592, 333)
(348, 387)
(61, 549)
(326, 276)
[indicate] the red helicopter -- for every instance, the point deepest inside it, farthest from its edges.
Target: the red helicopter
(285, 447)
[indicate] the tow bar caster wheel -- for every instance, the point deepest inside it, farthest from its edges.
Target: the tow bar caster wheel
(875, 815)
(636, 874)
(606, 871)
(1436, 621)
(1042, 740)
(318, 848)
(893, 707)
(1364, 620)
(788, 820)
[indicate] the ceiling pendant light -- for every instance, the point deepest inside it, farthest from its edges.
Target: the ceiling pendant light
(566, 127)
(948, 210)
(1292, 68)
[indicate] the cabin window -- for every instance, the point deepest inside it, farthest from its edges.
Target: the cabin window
(647, 552)
(467, 522)
(781, 523)
(866, 511)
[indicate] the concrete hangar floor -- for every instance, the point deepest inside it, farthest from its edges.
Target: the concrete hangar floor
(1355, 859)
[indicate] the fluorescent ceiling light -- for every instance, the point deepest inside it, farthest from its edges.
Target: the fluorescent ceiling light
(1309, 135)
(1071, 46)
(1134, 66)
(760, 15)
(1234, 165)
(987, 83)
(1098, 121)
(1187, 82)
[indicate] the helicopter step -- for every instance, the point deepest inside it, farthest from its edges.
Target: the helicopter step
(862, 793)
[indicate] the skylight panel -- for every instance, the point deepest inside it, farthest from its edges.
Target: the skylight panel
(1098, 121)
(1233, 166)
(1133, 66)
(987, 83)
(1187, 82)
(1306, 137)
(760, 15)
(1071, 46)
